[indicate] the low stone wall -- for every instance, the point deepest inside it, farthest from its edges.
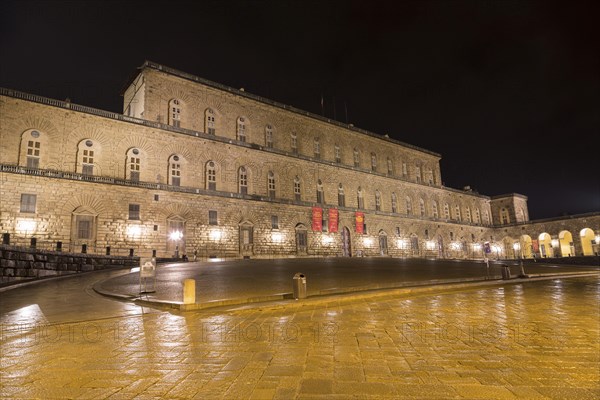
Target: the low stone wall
(18, 264)
(579, 260)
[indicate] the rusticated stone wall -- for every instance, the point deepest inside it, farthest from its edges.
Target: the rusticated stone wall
(22, 264)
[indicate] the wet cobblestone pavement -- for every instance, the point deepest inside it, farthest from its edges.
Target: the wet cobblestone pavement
(534, 340)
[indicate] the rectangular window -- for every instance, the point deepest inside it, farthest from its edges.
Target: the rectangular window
(33, 162)
(212, 217)
(320, 198)
(338, 157)
(28, 202)
(134, 211)
(325, 224)
(341, 200)
(156, 197)
(274, 222)
(84, 226)
(88, 169)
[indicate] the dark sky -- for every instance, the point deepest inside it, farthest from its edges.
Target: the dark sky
(506, 91)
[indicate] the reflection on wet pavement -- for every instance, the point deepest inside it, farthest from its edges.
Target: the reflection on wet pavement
(531, 340)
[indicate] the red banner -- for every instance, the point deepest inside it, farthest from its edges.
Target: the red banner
(360, 221)
(317, 219)
(333, 220)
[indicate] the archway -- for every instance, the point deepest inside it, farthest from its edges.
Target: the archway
(588, 240)
(246, 239)
(301, 239)
(565, 243)
(176, 236)
(383, 242)
(526, 246)
(545, 241)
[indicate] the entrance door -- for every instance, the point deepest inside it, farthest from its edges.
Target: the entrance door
(301, 241)
(246, 239)
(346, 244)
(175, 237)
(383, 245)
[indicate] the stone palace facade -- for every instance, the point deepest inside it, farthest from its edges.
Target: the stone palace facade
(195, 167)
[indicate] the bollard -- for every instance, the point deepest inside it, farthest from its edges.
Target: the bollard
(84, 248)
(299, 286)
(33, 243)
(108, 250)
(189, 291)
(6, 238)
(58, 246)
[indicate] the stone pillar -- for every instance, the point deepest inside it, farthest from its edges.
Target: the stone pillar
(189, 291)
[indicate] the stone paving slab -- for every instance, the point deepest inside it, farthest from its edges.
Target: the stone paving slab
(536, 339)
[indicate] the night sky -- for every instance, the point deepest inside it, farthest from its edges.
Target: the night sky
(506, 91)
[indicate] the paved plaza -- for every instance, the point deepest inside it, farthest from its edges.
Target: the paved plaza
(530, 340)
(245, 279)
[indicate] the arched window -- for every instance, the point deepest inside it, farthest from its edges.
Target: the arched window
(486, 217)
(390, 166)
(394, 203)
(210, 122)
(241, 129)
(269, 136)
(211, 176)
(356, 156)
(338, 154)
(418, 174)
(297, 193)
(294, 143)
(434, 207)
(88, 156)
(468, 214)
(477, 216)
(175, 113)
(446, 211)
(359, 198)
(317, 148)
(271, 185)
(404, 170)
(457, 215)
(175, 170)
(133, 166)
(33, 149)
(422, 207)
(408, 206)
(243, 180)
(341, 196)
(373, 162)
(320, 193)
(377, 200)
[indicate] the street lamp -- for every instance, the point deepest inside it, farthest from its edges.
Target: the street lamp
(176, 237)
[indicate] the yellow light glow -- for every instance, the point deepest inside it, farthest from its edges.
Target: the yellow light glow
(175, 235)
(554, 242)
(477, 246)
(326, 239)
(134, 230)
(215, 234)
(402, 243)
(368, 241)
(26, 225)
(455, 245)
(430, 245)
(516, 246)
(277, 237)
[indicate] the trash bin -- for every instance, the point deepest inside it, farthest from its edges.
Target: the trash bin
(505, 272)
(299, 284)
